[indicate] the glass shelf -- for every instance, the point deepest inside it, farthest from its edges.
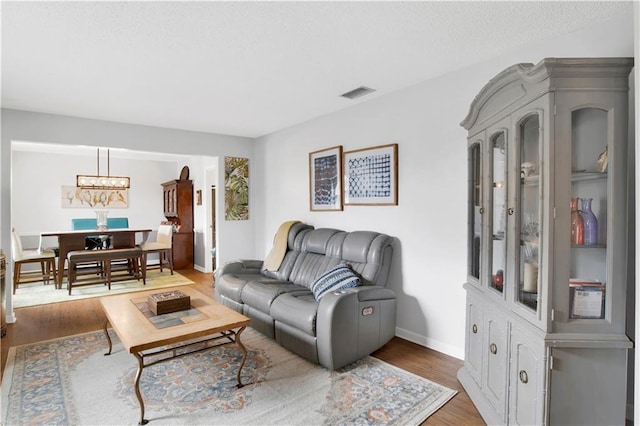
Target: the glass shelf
(582, 176)
(589, 246)
(575, 177)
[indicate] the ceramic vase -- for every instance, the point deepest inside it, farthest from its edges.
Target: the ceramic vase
(577, 223)
(590, 223)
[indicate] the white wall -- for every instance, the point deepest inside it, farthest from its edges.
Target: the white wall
(39, 209)
(430, 220)
(236, 239)
(204, 173)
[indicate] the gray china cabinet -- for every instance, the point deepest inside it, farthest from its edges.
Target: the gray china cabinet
(547, 244)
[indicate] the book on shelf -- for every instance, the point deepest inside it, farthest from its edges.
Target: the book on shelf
(582, 282)
(587, 299)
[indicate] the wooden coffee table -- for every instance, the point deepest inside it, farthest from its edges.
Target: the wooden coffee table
(157, 338)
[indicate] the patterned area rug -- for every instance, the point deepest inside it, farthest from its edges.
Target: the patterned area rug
(39, 294)
(68, 381)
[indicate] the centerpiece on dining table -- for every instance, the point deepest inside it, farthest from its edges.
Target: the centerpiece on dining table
(101, 219)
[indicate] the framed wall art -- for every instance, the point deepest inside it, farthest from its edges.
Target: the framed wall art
(371, 176)
(236, 188)
(325, 179)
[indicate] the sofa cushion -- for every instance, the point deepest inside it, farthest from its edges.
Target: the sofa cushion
(309, 266)
(261, 294)
(231, 285)
(294, 246)
(297, 310)
(337, 278)
(318, 240)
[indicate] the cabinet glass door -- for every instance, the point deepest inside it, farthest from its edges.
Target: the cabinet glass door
(475, 210)
(498, 253)
(588, 269)
(529, 211)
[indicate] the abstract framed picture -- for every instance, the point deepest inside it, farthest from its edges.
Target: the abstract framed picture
(325, 179)
(371, 176)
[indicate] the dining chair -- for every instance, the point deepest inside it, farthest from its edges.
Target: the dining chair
(46, 259)
(163, 245)
(96, 242)
(117, 222)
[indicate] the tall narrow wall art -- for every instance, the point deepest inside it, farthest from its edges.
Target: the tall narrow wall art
(236, 188)
(325, 179)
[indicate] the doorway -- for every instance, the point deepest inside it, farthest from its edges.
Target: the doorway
(213, 228)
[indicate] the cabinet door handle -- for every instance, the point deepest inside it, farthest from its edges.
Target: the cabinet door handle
(510, 210)
(524, 378)
(474, 329)
(493, 348)
(481, 210)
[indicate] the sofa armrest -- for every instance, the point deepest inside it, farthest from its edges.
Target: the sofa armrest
(353, 323)
(245, 266)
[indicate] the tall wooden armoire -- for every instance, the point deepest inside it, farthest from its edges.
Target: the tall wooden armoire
(178, 209)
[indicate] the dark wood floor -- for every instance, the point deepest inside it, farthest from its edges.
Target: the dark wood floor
(45, 322)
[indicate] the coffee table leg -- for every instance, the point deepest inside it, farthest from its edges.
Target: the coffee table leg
(108, 337)
(244, 355)
(143, 421)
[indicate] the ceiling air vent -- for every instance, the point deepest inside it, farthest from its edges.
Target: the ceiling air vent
(357, 93)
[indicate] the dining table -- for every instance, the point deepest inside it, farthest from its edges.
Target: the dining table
(75, 240)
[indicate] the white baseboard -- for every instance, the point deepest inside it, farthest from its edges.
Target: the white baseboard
(436, 345)
(200, 268)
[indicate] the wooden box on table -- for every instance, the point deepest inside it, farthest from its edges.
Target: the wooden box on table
(168, 301)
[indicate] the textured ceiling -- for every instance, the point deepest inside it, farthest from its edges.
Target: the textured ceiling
(251, 68)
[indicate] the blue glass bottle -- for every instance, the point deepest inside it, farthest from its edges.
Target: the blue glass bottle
(590, 223)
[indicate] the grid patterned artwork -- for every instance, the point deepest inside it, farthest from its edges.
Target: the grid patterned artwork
(371, 176)
(325, 178)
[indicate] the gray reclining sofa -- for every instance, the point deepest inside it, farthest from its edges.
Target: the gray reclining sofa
(345, 324)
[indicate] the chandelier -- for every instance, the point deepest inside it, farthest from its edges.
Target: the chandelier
(99, 181)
